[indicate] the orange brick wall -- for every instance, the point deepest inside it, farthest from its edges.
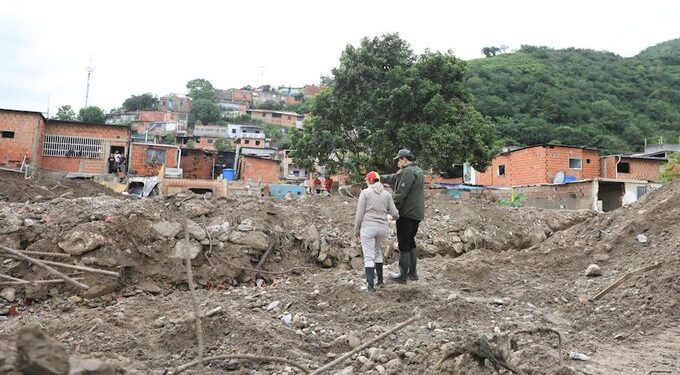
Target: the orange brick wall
(258, 170)
(640, 169)
(203, 144)
(174, 186)
(138, 162)
(539, 165)
(197, 164)
(111, 134)
(28, 129)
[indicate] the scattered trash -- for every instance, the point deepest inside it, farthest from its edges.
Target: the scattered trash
(578, 356)
(642, 238)
(287, 318)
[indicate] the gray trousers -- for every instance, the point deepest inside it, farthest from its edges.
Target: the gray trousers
(373, 240)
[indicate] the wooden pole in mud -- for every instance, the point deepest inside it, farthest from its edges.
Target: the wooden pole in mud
(47, 268)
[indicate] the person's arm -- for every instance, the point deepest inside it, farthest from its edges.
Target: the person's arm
(392, 209)
(405, 182)
(389, 179)
(361, 210)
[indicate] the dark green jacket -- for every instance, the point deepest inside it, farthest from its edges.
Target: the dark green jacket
(409, 191)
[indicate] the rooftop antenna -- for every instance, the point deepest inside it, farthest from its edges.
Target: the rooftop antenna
(89, 69)
(262, 68)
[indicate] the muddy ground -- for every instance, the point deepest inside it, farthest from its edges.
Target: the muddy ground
(484, 270)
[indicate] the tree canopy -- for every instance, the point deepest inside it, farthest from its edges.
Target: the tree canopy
(580, 97)
(382, 97)
(65, 113)
(92, 115)
(205, 111)
(143, 102)
(201, 89)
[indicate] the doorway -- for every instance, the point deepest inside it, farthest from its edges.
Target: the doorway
(611, 195)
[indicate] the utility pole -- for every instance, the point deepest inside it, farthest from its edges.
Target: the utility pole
(262, 68)
(89, 69)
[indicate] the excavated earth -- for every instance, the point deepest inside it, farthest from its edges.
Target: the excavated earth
(484, 270)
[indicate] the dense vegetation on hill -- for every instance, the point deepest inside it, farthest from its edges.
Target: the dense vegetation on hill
(580, 97)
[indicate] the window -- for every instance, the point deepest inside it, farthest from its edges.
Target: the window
(587, 161)
(7, 134)
(257, 143)
(277, 115)
(623, 167)
(155, 157)
(66, 146)
(641, 190)
(575, 163)
(501, 170)
(210, 141)
(233, 131)
(247, 141)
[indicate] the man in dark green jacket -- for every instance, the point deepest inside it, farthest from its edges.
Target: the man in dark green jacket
(409, 197)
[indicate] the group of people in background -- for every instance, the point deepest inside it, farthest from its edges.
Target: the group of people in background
(374, 209)
(327, 185)
(117, 162)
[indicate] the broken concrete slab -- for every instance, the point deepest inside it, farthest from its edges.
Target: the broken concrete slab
(39, 354)
(181, 250)
(83, 238)
(255, 239)
(168, 229)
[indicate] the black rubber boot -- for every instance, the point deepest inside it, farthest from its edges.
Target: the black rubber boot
(379, 272)
(404, 261)
(413, 257)
(369, 279)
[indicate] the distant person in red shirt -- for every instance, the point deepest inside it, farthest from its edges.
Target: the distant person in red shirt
(315, 185)
(328, 182)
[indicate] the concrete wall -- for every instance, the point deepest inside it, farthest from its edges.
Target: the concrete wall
(286, 119)
(173, 186)
(27, 140)
(111, 135)
(572, 196)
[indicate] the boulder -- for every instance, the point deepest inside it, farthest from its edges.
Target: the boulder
(593, 270)
(196, 231)
(198, 207)
(90, 366)
(255, 239)
(40, 355)
(181, 250)
(9, 294)
(246, 226)
(357, 263)
(82, 239)
(167, 228)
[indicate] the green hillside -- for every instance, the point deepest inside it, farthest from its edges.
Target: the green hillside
(580, 97)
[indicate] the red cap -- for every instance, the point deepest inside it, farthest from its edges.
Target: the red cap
(372, 177)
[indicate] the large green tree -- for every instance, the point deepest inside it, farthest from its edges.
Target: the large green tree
(143, 102)
(65, 113)
(381, 98)
(205, 111)
(201, 89)
(92, 115)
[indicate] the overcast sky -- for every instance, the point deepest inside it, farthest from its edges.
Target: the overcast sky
(157, 46)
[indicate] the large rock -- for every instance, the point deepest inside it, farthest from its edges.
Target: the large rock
(181, 249)
(90, 366)
(39, 354)
(593, 270)
(83, 238)
(167, 228)
(312, 239)
(9, 294)
(198, 207)
(255, 239)
(196, 231)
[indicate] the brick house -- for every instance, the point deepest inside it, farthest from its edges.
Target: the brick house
(285, 119)
(258, 170)
(146, 159)
(312, 90)
(197, 163)
(21, 137)
(540, 164)
(175, 103)
(71, 146)
(628, 167)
